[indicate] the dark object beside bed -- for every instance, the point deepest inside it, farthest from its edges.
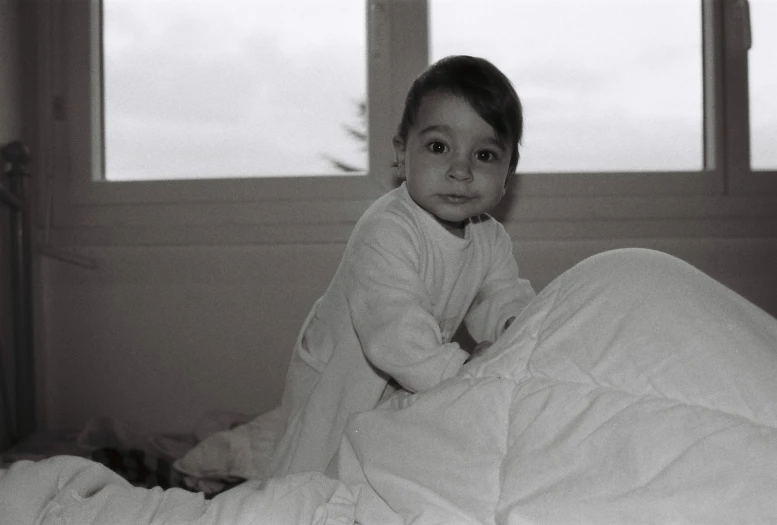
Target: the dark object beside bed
(18, 419)
(20, 438)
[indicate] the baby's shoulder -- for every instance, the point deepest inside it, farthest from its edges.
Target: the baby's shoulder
(388, 217)
(386, 234)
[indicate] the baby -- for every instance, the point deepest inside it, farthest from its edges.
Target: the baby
(422, 259)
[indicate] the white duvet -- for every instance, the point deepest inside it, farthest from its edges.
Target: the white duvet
(634, 389)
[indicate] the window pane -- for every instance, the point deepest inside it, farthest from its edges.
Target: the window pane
(607, 85)
(233, 88)
(763, 85)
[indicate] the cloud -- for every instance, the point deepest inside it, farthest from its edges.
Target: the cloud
(612, 141)
(240, 88)
(179, 104)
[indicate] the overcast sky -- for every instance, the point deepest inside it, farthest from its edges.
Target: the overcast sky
(244, 87)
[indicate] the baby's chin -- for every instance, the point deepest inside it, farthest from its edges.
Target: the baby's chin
(459, 216)
(452, 224)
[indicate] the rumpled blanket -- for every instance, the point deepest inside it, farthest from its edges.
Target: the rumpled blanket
(76, 491)
(634, 389)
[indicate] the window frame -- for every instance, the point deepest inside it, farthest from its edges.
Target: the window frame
(85, 119)
(397, 50)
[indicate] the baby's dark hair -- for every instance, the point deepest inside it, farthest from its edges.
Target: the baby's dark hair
(482, 85)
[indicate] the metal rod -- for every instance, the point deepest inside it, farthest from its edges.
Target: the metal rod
(17, 156)
(7, 198)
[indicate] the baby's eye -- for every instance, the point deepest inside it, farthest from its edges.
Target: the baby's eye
(437, 147)
(485, 155)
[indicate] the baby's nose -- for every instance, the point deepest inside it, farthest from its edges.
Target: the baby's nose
(460, 169)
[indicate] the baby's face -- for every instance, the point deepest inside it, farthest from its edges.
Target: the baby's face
(454, 165)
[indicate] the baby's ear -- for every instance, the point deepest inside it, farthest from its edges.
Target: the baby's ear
(399, 147)
(399, 155)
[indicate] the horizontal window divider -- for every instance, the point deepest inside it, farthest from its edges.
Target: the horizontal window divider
(249, 189)
(519, 207)
(690, 229)
(515, 207)
(326, 188)
(754, 183)
(269, 191)
(583, 184)
(205, 214)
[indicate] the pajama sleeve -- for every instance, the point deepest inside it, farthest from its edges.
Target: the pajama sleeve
(391, 309)
(503, 294)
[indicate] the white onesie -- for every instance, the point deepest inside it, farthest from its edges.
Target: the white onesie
(402, 289)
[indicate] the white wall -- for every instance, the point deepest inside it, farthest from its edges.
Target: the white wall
(198, 310)
(158, 335)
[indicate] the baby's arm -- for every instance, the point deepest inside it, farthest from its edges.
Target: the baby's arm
(503, 294)
(483, 346)
(391, 310)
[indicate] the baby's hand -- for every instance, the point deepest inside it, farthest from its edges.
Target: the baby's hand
(479, 350)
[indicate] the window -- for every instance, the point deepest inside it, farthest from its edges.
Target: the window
(601, 92)
(623, 98)
(763, 85)
(233, 88)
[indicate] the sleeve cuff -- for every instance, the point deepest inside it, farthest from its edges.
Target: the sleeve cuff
(454, 364)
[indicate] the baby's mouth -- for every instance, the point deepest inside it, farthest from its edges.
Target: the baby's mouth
(456, 198)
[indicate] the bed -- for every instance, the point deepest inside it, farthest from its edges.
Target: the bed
(634, 389)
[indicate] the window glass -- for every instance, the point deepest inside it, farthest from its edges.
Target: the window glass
(607, 85)
(233, 88)
(763, 85)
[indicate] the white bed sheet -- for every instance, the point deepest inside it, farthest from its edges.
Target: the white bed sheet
(76, 491)
(633, 390)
